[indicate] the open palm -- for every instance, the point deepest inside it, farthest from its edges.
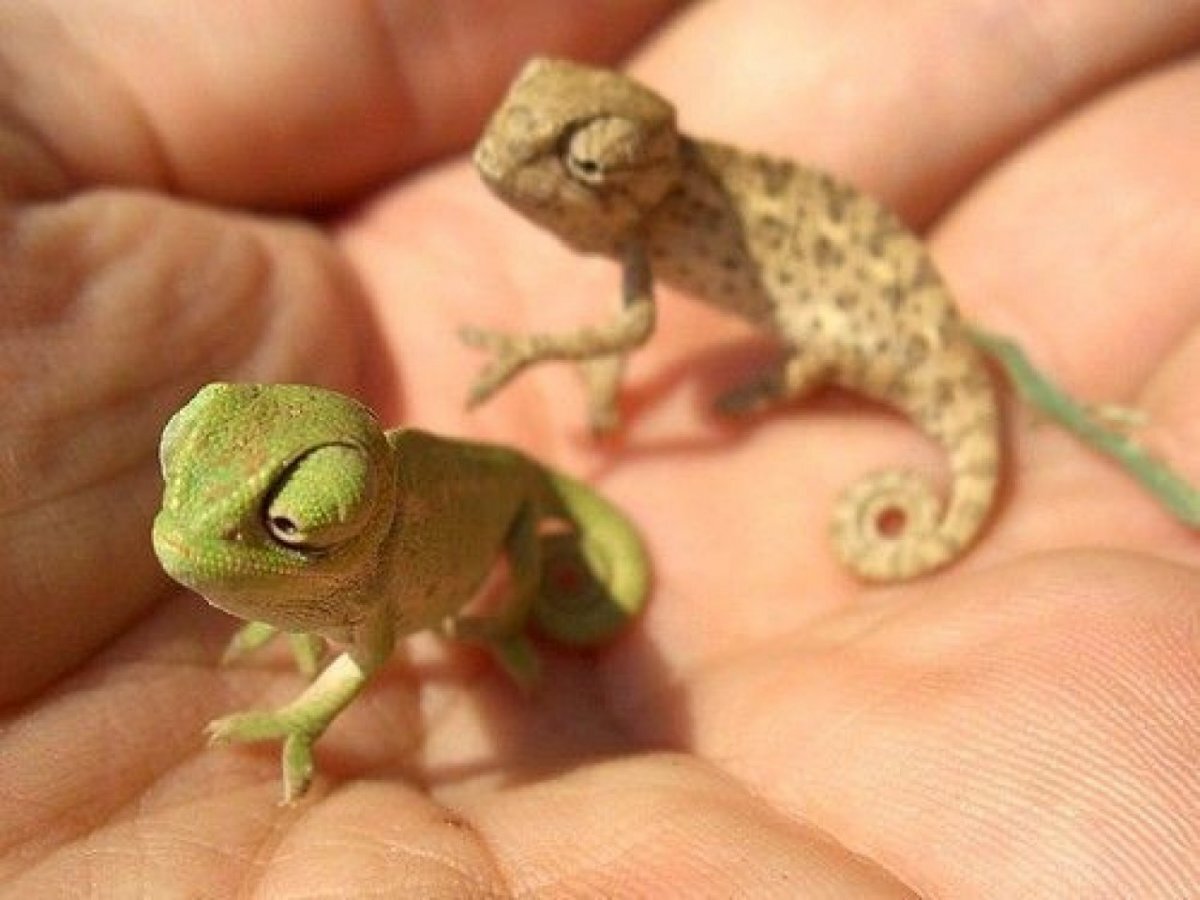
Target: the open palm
(249, 194)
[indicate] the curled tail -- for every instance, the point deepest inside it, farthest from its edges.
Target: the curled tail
(891, 525)
(595, 577)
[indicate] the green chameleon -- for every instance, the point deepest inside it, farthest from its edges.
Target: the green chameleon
(289, 507)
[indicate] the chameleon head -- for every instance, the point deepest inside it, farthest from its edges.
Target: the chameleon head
(276, 498)
(584, 152)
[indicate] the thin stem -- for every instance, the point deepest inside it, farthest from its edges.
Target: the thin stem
(1177, 495)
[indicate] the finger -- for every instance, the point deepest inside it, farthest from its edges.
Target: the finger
(274, 104)
(1030, 727)
(1098, 229)
(119, 307)
(910, 100)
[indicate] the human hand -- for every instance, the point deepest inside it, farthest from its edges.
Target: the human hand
(1021, 723)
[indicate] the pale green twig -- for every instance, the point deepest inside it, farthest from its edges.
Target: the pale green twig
(1173, 492)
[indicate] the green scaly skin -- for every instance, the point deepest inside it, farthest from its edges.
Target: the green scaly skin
(289, 507)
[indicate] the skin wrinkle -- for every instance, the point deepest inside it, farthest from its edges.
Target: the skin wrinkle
(1068, 88)
(135, 116)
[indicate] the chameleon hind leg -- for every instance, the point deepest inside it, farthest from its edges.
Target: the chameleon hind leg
(503, 633)
(797, 375)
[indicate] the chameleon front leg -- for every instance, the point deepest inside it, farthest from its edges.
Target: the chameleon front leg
(305, 719)
(512, 353)
(308, 650)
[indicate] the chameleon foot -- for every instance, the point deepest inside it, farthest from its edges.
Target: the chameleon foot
(519, 660)
(512, 650)
(748, 399)
(251, 727)
(602, 379)
(510, 354)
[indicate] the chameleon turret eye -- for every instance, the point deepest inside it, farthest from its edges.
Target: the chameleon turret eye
(582, 153)
(602, 146)
(321, 500)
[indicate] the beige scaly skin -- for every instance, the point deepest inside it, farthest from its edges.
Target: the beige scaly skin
(595, 157)
(288, 506)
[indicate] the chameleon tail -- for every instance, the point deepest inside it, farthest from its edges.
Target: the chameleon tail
(596, 576)
(891, 525)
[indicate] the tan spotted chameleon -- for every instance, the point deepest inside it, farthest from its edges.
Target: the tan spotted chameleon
(596, 158)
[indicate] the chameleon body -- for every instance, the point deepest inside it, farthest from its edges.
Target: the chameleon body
(288, 506)
(849, 291)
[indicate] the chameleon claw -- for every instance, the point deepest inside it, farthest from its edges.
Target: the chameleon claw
(297, 761)
(481, 391)
(296, 757)
(484, 338)
(509, 356)
(250, 727)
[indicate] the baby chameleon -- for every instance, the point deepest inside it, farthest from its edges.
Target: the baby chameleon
(852, 294)
(288, 506)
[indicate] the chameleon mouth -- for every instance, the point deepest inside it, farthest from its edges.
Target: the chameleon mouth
(172, 554)
(487, 164)
(201, 566)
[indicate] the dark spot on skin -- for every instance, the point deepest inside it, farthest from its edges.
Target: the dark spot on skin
(895, 296)
(776, 174)
(730, 263)
(772, 230)
(845, 300)
(785, 276)
(944, 392)
(836, 206)
(925, 276)
(890, 522)
(917, 350)
(826, 254)
(877, 241)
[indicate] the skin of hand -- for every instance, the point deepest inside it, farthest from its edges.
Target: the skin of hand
(294, 202)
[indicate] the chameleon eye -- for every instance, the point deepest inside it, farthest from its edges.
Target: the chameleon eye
(591, 149)
(584, 168)
(322, 500)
